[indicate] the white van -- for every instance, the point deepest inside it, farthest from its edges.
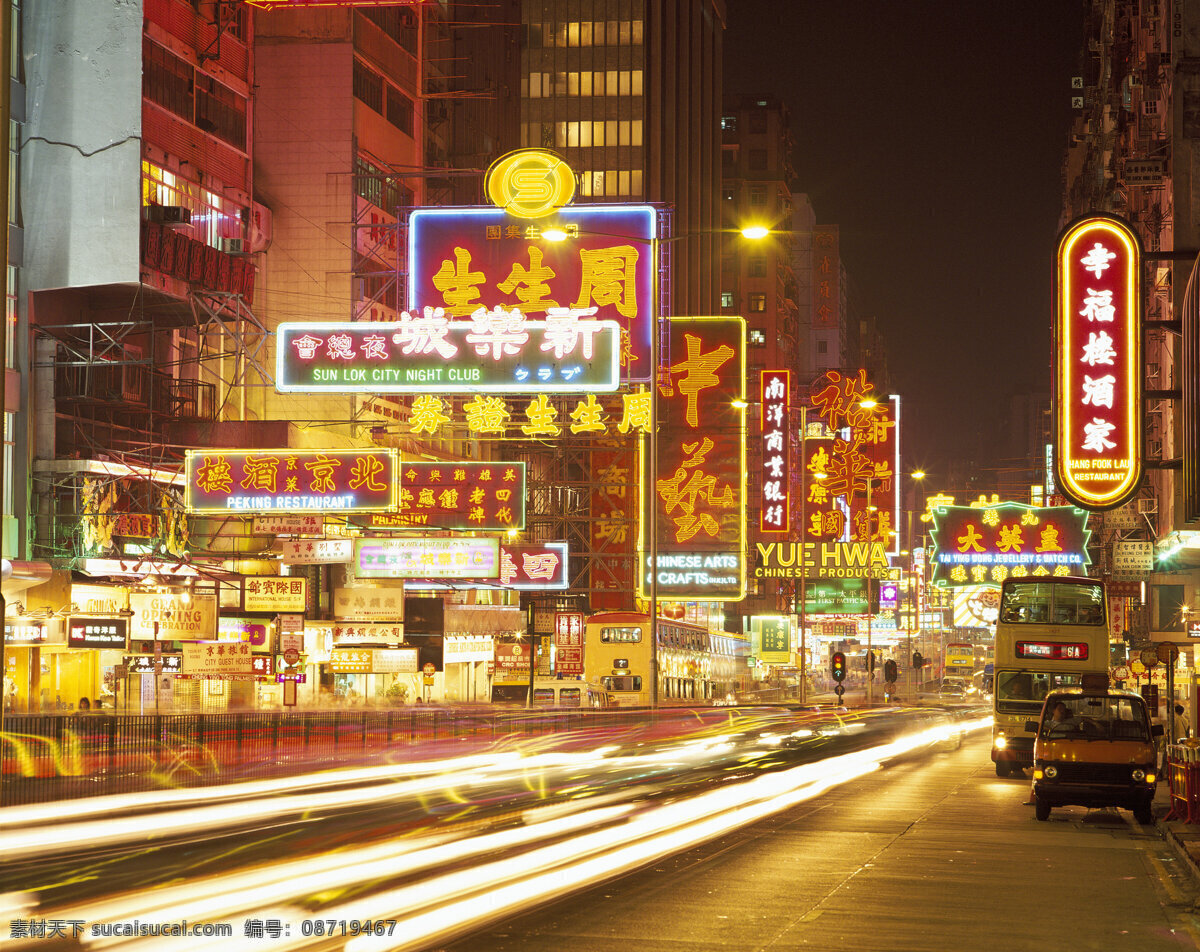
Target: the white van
(571, 694)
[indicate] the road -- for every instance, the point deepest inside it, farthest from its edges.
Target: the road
(928, 854)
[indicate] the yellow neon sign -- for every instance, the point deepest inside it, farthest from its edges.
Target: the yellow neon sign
(530, 183)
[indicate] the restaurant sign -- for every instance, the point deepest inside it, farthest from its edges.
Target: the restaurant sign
(257, 481)
(473, 496)
(497, 351)
(1098, 378)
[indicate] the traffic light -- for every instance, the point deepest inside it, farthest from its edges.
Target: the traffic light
(838, 661)
(918, 661)
(889, 670)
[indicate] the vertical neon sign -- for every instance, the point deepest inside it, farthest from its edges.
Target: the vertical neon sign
(774, 502)
(1098, 383)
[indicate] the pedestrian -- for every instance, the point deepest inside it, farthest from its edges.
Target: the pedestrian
(1181, 728)
(84, 705)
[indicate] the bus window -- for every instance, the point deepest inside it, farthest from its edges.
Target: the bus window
(620, 635)
(543, 697)
(570, 697)
(628, 682)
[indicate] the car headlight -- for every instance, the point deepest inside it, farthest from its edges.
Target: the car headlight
(1139, 774)
(1051, 771)
(1000, 742)
(1149, 778)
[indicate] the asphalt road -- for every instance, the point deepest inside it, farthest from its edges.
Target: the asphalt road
(931, 854)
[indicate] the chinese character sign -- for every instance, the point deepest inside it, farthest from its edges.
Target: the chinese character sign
(462, 495)
(427, 558)
(986, 545)
(826, 276)
(492, 349)
(771, 639)
(255, 481)
(464, 259)
(97, 632)
(614, 525)
(774, 500)
(1098, 383)
(274, 594)
(698, 500)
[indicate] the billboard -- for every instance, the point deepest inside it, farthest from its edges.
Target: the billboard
(987, 544)
(427, 558)
(475, 496)
(774, 477)
(1098, 378)
(284, 480)
(496, 350)
(698, 501)
(464, 259)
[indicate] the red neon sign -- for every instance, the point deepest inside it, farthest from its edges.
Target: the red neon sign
(774, 501)
(1052, 651)
(1098, 383)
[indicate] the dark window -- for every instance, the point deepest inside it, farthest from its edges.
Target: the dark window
(758, 194)
(758, 303)
(822, 347)
(758, 266)
(368, 87)
(220, 111)
(1168, 599)
(167, 80)
(398, 23)
(758, 121)
(399, 110)
(730, 194)
(758, 159)
(381, 190)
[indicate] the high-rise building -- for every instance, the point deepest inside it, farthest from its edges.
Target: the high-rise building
(629, 92)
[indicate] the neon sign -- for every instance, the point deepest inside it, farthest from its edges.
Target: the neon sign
(1098, 383)
(775, 499)
(256, 481)
(461, 496)
(427, 558)
(530, 183)
(498, 350)
(700, 494)
(462, 260)
(974, 546)
(532, 567)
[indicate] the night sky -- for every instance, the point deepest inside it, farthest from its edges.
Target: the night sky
(933, 132)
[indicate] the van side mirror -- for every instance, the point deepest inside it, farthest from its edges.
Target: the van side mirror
(1031, 726)
(1156, 730)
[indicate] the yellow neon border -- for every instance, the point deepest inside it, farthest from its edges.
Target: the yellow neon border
(189, 473)
(643, 452)
(1068, 346)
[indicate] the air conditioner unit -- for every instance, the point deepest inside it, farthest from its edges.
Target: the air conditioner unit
(168, 214)
(233, 246)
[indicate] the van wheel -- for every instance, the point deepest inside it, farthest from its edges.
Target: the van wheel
(1041, 809)
(1001, 768)
(1144, 814)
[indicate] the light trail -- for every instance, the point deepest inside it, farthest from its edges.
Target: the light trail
(604, 841)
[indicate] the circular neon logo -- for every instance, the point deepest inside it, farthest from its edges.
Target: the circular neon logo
(530, 183)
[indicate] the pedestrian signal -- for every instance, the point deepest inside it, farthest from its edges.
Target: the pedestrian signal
(838, 662)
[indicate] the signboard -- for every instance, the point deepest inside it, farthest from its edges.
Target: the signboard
(256, 481)
(97, 632)
(698, 503)
(351, 661)
(973, 546)
(524, 568)
(458, 649)
(976, 606)
(1132, 559)
(826, 276)
(771, 639)
(274, 594)
(24, 633)
(613, 523)
(496, 351)
(144, 664)
(368, 633)
(395, 660)
(775, 478)
(473, 496)
(107, 600)
(368, 604)
(253, 631)
(209, 658)
(314, 551)
(462, 260)
(427, 558)
(568, 643)
(821, 560)
(179, 617)
(1098, 382)
(262, 666)
(841, 596)
(1136, 172)
(291, 523)
(530, 183)
(512, 663)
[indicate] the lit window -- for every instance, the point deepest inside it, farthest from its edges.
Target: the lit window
(636, 138)
(572, 84)
(727, 300)
(585, 33)
(637, 82)
(585, 84)
(757, 338)
(535, 85)
(611, 83)
(729, 123)
(636, 182)
(758, 303)
(573, 135)
(625, 81)
(623, 182)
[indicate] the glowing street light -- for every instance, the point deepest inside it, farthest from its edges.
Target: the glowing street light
(755, 232)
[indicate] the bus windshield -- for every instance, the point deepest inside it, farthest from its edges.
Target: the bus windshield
(1053, 603)
(1029, 688)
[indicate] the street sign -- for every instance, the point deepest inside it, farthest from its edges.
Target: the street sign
(1149, 657)
(1167, 652)
(291, 656)
(1121, 673)
(428, 669)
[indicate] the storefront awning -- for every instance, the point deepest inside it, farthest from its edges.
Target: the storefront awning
(483, 620)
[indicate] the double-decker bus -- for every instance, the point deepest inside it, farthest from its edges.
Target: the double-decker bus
(1050, 633)
(960, 661)
(695, 666)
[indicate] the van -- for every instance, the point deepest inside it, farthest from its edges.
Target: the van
(1094, 747)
